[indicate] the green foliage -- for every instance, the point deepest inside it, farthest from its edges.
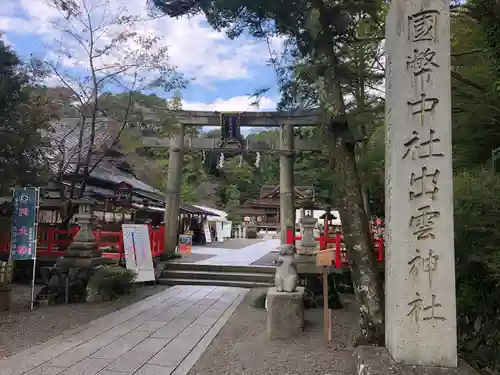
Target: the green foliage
(477, 248)
(251, 232)
(487, 13)
(150, 113)
(24, 114)
(475, 105)
(371, 163)
(110, 282)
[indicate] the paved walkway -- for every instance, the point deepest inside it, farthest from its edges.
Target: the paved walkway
(237, 257)
(164, 334)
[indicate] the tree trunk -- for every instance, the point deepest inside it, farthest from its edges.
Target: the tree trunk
(362, 260)
(364, 269)
(361, 106)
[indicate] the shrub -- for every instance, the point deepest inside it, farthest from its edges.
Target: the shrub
(251, 233)
(109, 282)
(477, 247)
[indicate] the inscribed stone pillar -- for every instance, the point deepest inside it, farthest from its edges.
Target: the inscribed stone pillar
(173, 198)
(287, 204)
(420, 271)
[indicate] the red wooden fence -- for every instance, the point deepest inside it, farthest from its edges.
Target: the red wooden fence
(340, 259)
(51, 239)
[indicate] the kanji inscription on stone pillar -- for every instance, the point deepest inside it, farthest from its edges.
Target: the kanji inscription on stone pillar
(420, 266)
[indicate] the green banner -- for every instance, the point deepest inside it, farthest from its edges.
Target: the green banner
(24, 217)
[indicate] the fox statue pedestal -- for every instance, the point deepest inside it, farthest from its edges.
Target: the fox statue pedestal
(285, 302)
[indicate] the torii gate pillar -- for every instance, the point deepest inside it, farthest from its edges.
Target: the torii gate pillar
(287, 198)
(173, 197)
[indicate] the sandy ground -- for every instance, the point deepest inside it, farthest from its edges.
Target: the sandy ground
(242, 347)
(21, 328)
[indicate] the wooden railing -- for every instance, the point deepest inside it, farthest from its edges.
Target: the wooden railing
(54, 242)
(337, 239)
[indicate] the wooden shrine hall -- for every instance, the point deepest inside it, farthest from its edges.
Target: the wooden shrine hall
(264, 212)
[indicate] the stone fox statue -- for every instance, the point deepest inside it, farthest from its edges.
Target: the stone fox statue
(286, 277)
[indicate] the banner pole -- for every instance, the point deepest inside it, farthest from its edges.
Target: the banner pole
(37, 197)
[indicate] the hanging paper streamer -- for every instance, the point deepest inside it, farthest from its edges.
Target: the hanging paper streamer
(221, 160)
(241, 160)
(203, 157)
(257, 160)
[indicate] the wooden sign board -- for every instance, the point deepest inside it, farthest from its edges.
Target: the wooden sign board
(325, 257)
(123, 194)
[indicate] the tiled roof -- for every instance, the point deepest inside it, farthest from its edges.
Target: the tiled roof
(110, 173)
(184, 207)
(190, 209)
(64, 138)
(64, 145)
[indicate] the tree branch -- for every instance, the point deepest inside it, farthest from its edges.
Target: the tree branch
(467, 82)
(115, 141)
(463, 53)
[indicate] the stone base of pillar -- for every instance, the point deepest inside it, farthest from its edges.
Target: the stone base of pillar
(370, 360)
(285, 313)
(306, 264)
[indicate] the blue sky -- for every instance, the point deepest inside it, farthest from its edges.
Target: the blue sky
(224, 72)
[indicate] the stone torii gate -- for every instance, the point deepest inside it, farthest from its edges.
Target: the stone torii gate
(232, 141)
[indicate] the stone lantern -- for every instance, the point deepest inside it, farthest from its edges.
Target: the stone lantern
(305, 258)
(307, 223)
(84, 244)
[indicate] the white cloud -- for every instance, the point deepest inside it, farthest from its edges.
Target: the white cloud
(236, 103)
(194, 47)
(5, 39)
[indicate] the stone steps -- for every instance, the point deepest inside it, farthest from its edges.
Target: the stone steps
(217, 275)
(219, 268)
(209, 275)
(228, 283)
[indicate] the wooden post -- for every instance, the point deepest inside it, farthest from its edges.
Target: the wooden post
(287, 199)
(324, 258)
(173, 197)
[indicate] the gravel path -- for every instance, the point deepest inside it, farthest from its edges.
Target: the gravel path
(21, 328)
(242, 348)
(267, 260)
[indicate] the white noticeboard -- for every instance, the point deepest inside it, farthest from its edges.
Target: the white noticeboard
(137, 249)
(219, 232)
(226, 229)
(208, 235)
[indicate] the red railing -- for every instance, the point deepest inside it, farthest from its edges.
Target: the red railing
(340, 259)
(53, 241)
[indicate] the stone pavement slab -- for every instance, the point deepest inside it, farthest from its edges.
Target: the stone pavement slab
(238, 257)
(162, 334)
